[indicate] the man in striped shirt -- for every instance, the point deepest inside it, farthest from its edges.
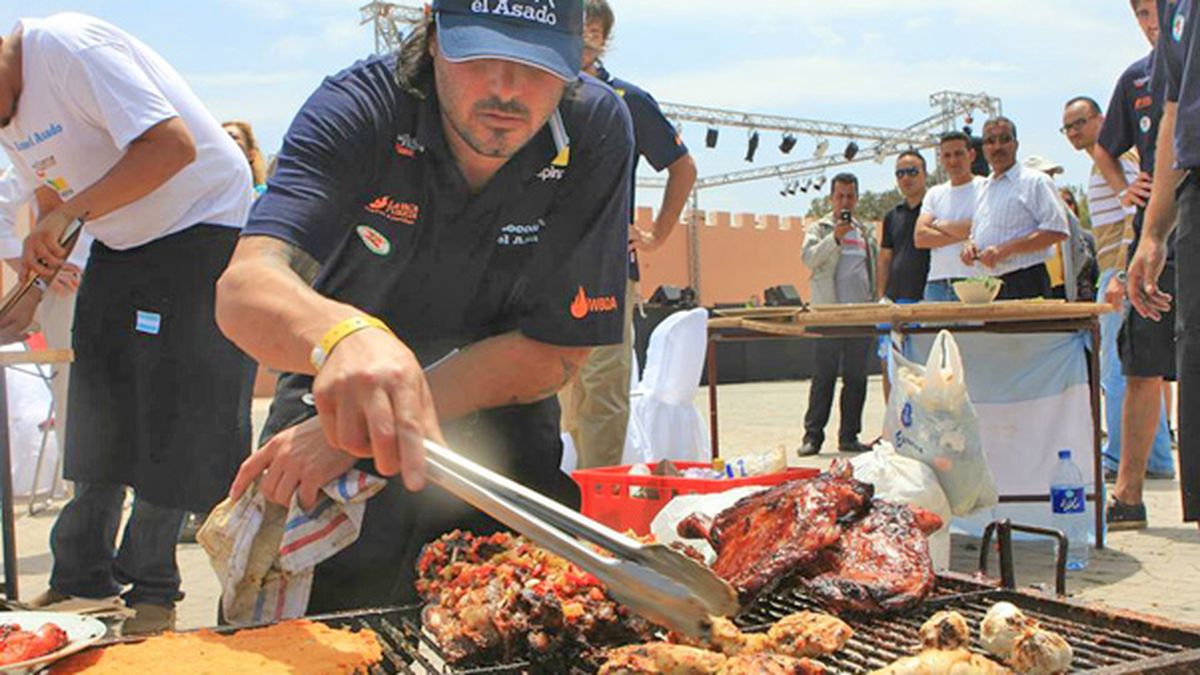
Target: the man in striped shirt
(1018, 217)
(1112, 223)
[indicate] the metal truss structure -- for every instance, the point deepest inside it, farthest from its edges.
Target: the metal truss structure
(384, 16)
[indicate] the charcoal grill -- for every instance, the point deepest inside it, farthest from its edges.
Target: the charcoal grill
(1105, 641)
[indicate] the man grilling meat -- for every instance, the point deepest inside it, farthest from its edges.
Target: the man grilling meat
(443, 243)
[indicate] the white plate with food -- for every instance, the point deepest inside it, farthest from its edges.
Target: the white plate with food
(29, 640)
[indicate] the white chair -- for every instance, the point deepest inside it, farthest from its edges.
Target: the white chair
(664, 422)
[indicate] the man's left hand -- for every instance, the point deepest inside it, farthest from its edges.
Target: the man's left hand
(66, 282)
(991, 256)
(297, 460)
(646, 240)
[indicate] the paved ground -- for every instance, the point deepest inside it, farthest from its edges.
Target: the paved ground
(1152, 571)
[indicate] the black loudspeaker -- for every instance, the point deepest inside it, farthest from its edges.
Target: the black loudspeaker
(674, 296)
(785, 295)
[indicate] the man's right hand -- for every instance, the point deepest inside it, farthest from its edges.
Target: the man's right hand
(1144, 271)
(373, 401)
(969, 254)
(841, 230)
(1114, 292)
(1138, 192)
(41, 251)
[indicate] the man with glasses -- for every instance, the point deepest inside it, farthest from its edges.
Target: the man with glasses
(945, 222)
(902, 267)
(1017, 218)
(1175, 192)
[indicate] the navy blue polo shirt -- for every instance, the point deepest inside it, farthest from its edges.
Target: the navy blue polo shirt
(1133, 114)
(655, 139)
(1177, 57)
(367, 185)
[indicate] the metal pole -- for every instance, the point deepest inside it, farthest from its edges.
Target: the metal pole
(694, 248)
(7, 518)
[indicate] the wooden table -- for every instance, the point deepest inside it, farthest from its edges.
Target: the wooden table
(8, 528)
(858, 320)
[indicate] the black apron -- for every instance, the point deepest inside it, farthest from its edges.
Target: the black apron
(424, 257)
(159, 398)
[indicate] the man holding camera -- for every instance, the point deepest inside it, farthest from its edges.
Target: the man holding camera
(842, 253)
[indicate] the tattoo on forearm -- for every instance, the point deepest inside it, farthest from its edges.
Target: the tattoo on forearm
(299, 261)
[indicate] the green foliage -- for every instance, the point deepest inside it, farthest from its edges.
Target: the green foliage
(872, 206)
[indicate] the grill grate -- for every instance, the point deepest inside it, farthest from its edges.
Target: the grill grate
(1104, 642)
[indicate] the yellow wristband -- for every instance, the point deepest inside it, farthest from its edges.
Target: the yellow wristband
(341, 331)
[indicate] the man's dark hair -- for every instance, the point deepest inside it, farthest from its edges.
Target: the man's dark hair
(414, 65)
(598, 10)
(952, 136)
(1000, 119)
(913, 153)
(1088, 100)
(845, 178)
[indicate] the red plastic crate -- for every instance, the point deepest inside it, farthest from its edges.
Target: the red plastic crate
(607, 498)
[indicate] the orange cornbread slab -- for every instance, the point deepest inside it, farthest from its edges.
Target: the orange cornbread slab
(289, 648)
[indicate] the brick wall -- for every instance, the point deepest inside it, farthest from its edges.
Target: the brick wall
(740, 255)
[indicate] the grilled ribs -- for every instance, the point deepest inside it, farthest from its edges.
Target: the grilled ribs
(880, 564)
(766, 536)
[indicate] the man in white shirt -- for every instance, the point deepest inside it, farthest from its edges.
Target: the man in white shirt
(1019, 215)
(945, 222)
(159, 398)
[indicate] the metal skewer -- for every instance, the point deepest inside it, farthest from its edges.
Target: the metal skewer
(655, 581)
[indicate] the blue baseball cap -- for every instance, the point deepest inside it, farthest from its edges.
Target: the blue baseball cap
(545, 34)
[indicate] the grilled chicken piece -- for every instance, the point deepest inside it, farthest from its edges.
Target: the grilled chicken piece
(661, 658)
(880, 564)
(945, 630)
(770, 664)
(798, 635)
(809, 634)
(765, 537)
(1001, 627)
(22, 645)
(1040, 652)
(944, 662)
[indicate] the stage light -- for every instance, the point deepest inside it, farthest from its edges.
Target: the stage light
(851, 151)
(710, 139)
(821, 149)
(788, 142)
(820, 183)
(752, 147)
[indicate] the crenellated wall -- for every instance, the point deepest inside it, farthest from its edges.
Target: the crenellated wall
(740, 255)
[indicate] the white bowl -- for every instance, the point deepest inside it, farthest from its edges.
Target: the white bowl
(976, 291)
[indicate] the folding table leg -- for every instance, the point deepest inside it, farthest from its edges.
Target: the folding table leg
(7, 519)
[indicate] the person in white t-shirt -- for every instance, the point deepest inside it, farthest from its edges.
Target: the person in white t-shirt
(159, 398)
(945, 221)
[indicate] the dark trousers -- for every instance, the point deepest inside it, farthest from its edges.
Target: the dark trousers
(1030, 282)
(848, 356)
(87, 562)
(1187, 324)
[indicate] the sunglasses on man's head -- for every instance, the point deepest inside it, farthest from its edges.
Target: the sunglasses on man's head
(998, 138)
(910, 171)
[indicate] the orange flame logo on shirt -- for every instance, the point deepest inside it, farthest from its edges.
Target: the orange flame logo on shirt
(582, 305)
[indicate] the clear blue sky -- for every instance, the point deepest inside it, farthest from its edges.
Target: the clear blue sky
(859, 61)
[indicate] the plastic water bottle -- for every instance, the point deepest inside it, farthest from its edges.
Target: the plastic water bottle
(1067, 500)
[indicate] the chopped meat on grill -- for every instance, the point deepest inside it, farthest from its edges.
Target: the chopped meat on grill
(500, 598)
(770, 664)
(797, 635)
(765, 536)
(944, 662)
(662, 658)
(1001, 626)
(880, 564)
(946, 630)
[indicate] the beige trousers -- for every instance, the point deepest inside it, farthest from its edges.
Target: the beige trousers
(595, 405)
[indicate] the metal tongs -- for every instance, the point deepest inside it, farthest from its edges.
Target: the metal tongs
(653, 580)
(66, 240)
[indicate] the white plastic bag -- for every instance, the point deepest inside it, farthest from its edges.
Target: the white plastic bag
(907, 481)
(664, 525)
(930, 418)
